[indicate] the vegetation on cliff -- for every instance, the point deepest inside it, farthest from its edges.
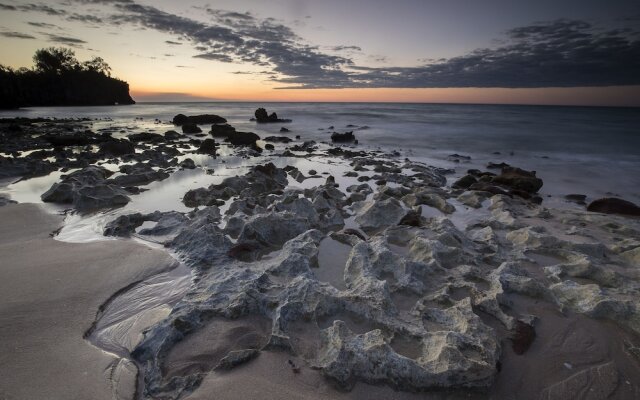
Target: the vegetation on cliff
(59, 79)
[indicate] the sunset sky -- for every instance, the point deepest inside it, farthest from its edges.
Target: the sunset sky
(495, 51)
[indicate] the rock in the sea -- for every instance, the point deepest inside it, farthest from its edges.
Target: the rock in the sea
(182, 119)
(262, 116)
(464, 182)
(208, 146)
(146, 137)
(343, 137)
(613, 205)
(87, 190)
(222, 130)
(190, 127)
(187, 163)
(519, 179)
(243, 139)
(117, 147)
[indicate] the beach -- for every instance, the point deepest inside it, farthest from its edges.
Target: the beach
(155, 256)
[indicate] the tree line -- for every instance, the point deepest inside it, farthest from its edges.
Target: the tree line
(57, 78)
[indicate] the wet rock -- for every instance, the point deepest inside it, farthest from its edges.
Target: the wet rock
(182, 119)
(190, 128)
(124, 225)
(342, 137)
(519, 179)
(243, 139)
(284, 130)
(464, 182)
(172, 135)
(146, 137)
(269, 146)
(412, 218)
(187, 163)
(278, 139)
(138, 175)
(262, 116)
(208, 146)
(272, 230)
(501, 165)
(87, 190)
(613, 205)
(117, 147)
(380, 214)
(222, 130)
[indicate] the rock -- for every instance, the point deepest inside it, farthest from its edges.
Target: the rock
(313, 172)
(235, 358)
(222, 130)
(269, 146)
(117, 147)
(172, 135)
(124, 225)
(187, 163)
(272, 230)
(412, 218)
(284, 130)
(243, 139)
(262, 116)
(343, 137)
(502, 165)
(613, 205)
(278, 139)
(208, 146)
(519, 179)
(138, 175)
(182, 119)
(190, 128)
(523, 335)
(87, 190)
(146, 137)
(380, 214)
(464, 182)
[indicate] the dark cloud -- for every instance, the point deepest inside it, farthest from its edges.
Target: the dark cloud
(86, 18)
(43, 25)
(7, 7)
(66, 40)
(171, 42)
(33, 7)
(16, 35)
(346, 48)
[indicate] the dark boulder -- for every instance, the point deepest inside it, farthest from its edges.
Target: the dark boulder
(172, 135)
(222, 130)
(343, 137)
(277, 139)
(243, 139)
(182, 119)
(191, 128)
(519, 179)
(117, 147)
(208, 146)
(284, 130)
(464, 182)
(146, 137)
(262, 116)
(188, 164)
(613, 205)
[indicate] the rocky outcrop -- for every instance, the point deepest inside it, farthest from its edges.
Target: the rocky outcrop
(343, 137)
(261, 116)
(612, 205)
(87, 190)
(203, 119)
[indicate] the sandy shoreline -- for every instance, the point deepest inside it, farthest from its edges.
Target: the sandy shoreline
(50, 292)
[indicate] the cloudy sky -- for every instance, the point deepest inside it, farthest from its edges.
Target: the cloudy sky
(492, 51)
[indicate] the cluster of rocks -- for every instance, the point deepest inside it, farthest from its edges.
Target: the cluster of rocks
(261, 116)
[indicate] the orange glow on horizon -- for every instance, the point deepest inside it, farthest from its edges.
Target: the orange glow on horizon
(594, 96)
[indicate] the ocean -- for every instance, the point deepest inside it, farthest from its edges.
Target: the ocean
(586, 150)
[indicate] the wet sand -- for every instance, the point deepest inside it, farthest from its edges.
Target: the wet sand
(50, 292)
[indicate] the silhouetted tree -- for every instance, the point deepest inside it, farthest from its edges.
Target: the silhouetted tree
(55, 59)
(97, 64)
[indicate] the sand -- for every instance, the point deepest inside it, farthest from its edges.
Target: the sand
(50, 292)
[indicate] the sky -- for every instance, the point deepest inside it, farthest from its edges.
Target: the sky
(573, 52)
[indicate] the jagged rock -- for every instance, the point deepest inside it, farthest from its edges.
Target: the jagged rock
(182, 119)
(87, 190)
(612, 205)
(124, 225)
(380, 214)
(272, 230)
(262, 116)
